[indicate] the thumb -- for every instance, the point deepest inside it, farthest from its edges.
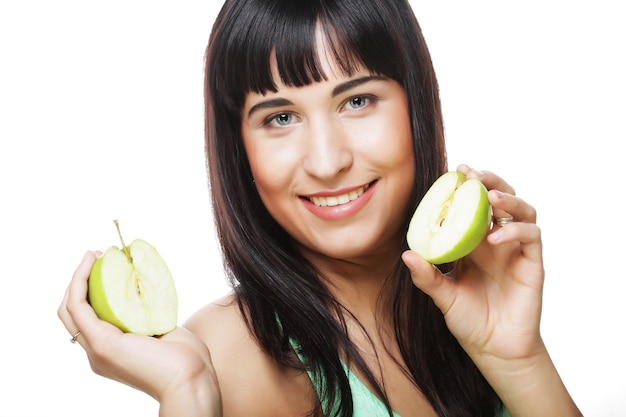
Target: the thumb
(430, 280)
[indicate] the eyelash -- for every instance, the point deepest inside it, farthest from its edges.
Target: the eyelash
(367, 101)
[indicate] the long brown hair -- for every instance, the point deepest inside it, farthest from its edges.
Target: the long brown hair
(280, 294)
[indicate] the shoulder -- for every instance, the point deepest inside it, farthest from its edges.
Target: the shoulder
(220, 317)
(251, 382)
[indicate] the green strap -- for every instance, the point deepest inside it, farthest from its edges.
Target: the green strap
(365, 403)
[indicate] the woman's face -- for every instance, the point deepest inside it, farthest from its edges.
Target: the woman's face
(333, 161)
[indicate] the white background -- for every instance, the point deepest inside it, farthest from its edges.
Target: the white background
(101, 118)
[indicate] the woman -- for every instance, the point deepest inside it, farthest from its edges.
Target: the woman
(324, 131)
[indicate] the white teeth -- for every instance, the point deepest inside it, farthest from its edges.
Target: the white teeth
(340, 199)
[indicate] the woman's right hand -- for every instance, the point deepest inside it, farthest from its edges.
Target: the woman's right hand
(175, 368)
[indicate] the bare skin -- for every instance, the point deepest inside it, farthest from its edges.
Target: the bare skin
(512, 357)
(493, 307)
(275, 391)
(331, 140)
(251, 383)
(185, 381)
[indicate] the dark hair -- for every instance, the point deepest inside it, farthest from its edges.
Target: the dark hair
(279, 292)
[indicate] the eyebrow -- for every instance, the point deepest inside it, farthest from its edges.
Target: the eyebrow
(348, 85)
(269, 104)
(341, 88)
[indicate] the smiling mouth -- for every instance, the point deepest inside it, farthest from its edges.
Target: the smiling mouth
(332, 201)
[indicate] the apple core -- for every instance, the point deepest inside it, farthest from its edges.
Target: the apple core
(451, 220)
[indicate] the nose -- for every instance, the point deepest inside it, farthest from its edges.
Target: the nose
(328, 152)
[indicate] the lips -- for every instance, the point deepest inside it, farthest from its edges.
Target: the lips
(341, 204)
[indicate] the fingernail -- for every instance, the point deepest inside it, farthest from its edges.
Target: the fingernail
(86, 255)
(499, 194)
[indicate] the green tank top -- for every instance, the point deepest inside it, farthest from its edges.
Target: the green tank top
(365, 403)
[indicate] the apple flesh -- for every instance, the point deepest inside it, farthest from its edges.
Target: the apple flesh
(133, 289)
(451, 220)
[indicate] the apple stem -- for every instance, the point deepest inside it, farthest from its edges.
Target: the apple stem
(124, 247)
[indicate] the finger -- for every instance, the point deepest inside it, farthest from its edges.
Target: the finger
(63, 312)
(65, 317)
(528, 235)
(77, 290)
(430, 280)
(491, 181)
(512, 206)
(67, 321)
(81, 315)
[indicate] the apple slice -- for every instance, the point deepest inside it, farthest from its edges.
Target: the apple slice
(451, 220)
(133, 289)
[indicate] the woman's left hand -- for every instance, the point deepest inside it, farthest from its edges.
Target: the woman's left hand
(493, 303)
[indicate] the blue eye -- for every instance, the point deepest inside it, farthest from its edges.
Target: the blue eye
(282, 119)
(357, 102)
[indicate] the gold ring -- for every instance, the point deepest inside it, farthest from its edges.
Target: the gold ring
(73, 339)
(501, 221)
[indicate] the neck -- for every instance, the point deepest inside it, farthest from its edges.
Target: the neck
(359, 285)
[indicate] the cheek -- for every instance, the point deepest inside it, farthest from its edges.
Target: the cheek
(394, 153)
(390, 142)
(273, 169)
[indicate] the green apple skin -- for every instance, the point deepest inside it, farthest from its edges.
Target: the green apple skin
(139, 296)
(451, 220)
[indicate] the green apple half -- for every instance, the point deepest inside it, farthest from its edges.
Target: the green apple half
(451, 220)
(133, 289)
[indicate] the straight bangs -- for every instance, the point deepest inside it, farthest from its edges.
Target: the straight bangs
(358, 34)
